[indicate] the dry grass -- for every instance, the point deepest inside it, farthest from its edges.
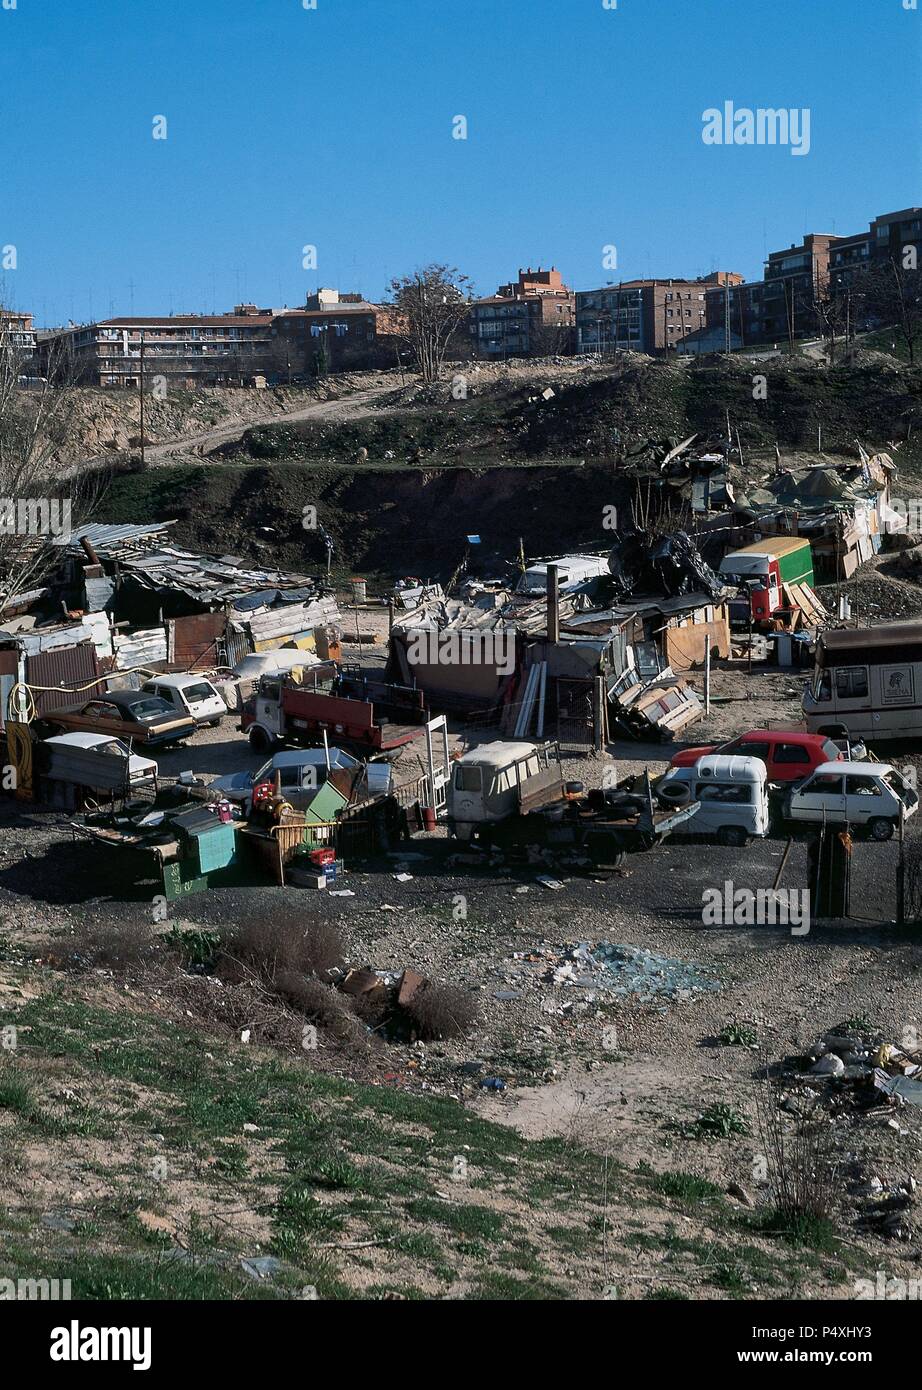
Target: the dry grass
(281, 946)
(441, 1011)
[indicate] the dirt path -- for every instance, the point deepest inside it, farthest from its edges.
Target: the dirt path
(351, 407)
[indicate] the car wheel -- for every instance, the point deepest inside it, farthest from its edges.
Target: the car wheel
(880, 828)
(604, 851)
(213, 723)
(259, 740)
(733, 835)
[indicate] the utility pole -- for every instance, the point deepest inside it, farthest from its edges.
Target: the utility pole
(727, 315)
(141, 384)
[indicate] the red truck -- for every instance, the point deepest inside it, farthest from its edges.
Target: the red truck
(353, 711)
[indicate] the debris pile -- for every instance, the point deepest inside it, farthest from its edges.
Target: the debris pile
(873, 1070)
(631, 972)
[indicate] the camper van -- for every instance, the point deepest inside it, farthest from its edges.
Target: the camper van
(764, 568)
(869, 680)
(732, 790)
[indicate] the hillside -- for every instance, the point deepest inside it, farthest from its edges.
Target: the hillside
(501, 462)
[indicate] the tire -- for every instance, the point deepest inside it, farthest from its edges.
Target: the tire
(604, 851)
(881, 829)
(732, 835)
(674, 794)
(214, 723)
(626, 805)
(259, 740)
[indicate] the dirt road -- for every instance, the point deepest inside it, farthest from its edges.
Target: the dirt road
(351, 407)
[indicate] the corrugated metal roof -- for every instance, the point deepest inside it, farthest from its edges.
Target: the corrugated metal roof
(101, 536)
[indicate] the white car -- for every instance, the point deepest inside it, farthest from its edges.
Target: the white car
(302, 771)
(861, 794)
(190, 695)
(96, 760)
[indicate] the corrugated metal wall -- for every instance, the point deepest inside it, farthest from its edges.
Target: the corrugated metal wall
(193, 640)
(64, 669)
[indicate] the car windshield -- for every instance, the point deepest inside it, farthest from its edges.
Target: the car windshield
(202, 691)
(831, 751)
(116, 748)
(150, 708)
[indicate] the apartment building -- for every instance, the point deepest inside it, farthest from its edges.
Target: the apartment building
(188, 350)
(888, 238)
(332, 332)
(249, 347)
(650, 316)
(531, 317)
(781, 305)
(17, 329)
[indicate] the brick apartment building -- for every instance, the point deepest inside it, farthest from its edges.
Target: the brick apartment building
(245, 348)
(334, 332)
(650, 316)
(532, 317)
(187, 349)
(17, 329)
(780, 306)
(886, 239)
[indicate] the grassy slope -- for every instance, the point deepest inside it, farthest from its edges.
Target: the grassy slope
(351, 1186)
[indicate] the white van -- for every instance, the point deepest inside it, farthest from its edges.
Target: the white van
(870, 794)
(732, 790)
(190, 695)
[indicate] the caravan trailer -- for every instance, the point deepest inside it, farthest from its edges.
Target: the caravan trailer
(869, 680)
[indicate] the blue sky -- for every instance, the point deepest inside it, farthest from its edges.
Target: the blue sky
(333, 127)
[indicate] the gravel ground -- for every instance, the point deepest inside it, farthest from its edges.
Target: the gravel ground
(573, 1060)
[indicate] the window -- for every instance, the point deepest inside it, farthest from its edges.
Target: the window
(202, 691)
(752, 749)
(862, 786)
(852, 683)
(734, 793)
(467, 779)
(791, 753)
(828, 783)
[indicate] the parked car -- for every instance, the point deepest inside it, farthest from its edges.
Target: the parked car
(302, 771)
(732, 792)
(95, 761)
(873, 795)
(190, 695)
(788, 754)
(129, 714)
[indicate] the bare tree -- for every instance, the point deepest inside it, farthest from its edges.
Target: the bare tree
(36, 503)
(832, 316)
(892, 295)
(432, 303)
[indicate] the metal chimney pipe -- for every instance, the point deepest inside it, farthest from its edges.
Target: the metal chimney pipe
(553, 605)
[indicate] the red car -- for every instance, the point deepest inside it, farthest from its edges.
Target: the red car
(788, 754)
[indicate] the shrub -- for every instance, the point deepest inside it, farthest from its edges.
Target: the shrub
(441, 1011)
(284, 945)
(802, 1166)
(116, 945)
(320, 1003)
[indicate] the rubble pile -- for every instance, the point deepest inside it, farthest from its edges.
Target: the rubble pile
(866, 1068)
(631, 972)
